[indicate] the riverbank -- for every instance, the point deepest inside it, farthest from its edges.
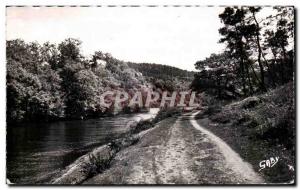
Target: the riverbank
(12, 123)
(100, 158)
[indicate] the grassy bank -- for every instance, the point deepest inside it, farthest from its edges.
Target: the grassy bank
(258, 127)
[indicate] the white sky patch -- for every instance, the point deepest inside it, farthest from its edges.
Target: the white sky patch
(173, 36)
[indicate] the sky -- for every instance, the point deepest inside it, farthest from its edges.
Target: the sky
(175, 36)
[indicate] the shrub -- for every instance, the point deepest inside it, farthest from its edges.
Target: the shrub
(96, 165)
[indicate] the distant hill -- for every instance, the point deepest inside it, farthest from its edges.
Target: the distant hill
(163, 72)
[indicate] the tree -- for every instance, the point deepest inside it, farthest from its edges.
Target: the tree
(251, 40)
(243, 36)
(233, 35)
(278, 39)
(217, 76)
(69, 49)
(256, 33)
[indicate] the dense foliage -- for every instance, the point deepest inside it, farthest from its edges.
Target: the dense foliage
(49, 81)
(164, 72)
(164, 76)
(259, 53)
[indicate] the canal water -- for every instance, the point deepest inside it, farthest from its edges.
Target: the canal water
(37, 152)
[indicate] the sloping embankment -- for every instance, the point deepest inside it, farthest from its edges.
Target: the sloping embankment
(258, 128)
(100, 158)
(96, 161)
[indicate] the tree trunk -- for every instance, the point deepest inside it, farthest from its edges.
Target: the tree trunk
(274, 67)
(249, 81)
(282, 62)
(243, 77)
(270, 76)
(262, 72)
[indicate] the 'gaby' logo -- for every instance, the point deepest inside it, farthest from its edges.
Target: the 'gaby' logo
(268, 163)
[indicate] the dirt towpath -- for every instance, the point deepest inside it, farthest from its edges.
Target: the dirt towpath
(178, 151)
